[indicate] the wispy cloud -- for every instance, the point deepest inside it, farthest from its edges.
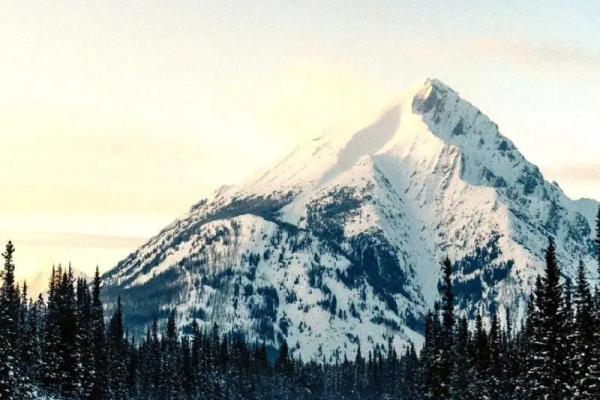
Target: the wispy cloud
(578, 180)
(584, 172)
(534, 54)
(30, 238)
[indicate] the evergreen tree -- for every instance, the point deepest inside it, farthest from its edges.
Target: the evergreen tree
(481, 360)
(61, 348)
(429, 356)
(461, 370)
(565, 376)
(171, 367)
(547, 341)
(85, 337)
(51, 339)
(117, 355)
(447, 333)
(552, 340)
(598, 240)
(187, 372)
(155, 362)
(99, 382)
(495, 367)
(583, 338)
(68, 351)
(10, 374)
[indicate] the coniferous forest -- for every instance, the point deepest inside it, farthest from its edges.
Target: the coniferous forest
(62, 346)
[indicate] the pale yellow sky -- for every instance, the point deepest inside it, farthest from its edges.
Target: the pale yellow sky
(115, 117)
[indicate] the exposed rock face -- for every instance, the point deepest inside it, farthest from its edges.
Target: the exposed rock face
(341, 241)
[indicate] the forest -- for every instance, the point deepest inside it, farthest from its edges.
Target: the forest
(61, 346)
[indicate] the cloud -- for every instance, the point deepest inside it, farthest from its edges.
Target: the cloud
(31, 238)
(578, 180)
(584, 172)
(527, 53)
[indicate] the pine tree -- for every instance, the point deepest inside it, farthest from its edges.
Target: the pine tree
(512, 363)
(565, 342)
(552, 324)
(461, 369)
(447, 333)
(68, 351)
(117, 355)
(155, 365)
(133, 368)
(187, 372)
(598, 241)
(583, 338)
(33, 341)
(50, 377)
(98, 390)
(27, 343)
(171, 368)
(481, 360)
(494, 372)
(546, 342)
(359, 371)
(10, 374)
(284, 363)
(85, 337)
(430, 359)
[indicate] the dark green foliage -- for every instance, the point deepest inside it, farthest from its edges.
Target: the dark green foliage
(62, 348)
(10, 375)
(597, 241)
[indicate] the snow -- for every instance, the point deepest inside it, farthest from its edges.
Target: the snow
(433, 176)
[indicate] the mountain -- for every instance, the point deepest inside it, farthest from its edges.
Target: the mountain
(340, 243)
(41, 279)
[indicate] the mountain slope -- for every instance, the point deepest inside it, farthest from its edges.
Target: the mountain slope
(340, 243)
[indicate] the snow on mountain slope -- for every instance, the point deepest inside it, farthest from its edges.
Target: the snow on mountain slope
(340, 243)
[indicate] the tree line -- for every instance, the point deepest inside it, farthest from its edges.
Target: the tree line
(61, 346)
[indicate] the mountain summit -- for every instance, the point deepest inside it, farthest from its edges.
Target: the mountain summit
(340, 243)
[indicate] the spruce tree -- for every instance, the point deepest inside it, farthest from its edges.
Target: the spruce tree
(552, 324)
(117, 355)
(566, 346)
(51, 337)
(494, 372)
(598, 241)
(447, 334)
(545, 359)
(583, 338)
(171, 368)
(429, 356)
(461, 370)
(98, 390)
(10, 374)
(155, 358)
(187, 372)
(481, 355)
(68, 350)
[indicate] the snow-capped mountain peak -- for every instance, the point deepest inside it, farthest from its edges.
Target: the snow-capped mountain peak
(340, 242)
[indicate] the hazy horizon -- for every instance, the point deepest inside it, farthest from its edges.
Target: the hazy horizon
(117, 117)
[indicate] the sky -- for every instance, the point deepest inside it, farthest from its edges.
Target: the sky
(115, 117)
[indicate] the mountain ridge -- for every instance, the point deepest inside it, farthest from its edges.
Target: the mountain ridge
(339, 243)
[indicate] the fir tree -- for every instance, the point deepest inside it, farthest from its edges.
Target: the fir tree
(598, 241)
(494, 371)
(117, 355)
(171, 367)
(461, 370)
(481, 359)
(565, 342)
(447, 333)
(99, 383)
(10, 377)
(583, 337)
